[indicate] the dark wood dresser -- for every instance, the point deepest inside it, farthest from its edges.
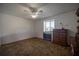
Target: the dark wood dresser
(60, 36)
(76, 50)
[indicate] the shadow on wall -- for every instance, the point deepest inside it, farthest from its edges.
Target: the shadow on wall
(71, 33)
(0, 42)
(14, 37)
(71, 36)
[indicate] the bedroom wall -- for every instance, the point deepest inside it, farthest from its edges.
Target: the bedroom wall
(0, 31)
(15, 28)
(39, 28)
(68, 19)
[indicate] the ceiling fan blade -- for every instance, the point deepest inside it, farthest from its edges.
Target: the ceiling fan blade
(31, 9)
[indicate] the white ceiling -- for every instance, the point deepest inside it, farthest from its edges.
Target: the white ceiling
(49, 9)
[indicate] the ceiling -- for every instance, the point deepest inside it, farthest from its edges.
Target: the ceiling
(49, 9)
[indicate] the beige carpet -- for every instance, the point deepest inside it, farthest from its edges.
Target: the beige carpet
(34, 47)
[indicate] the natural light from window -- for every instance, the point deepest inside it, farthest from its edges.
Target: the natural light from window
(49, 25)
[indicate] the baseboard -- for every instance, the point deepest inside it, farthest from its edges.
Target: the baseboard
(18, 41)
(15, 37)
(38, 38)
(22, 40)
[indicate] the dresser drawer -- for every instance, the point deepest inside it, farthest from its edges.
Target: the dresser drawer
(60, 36)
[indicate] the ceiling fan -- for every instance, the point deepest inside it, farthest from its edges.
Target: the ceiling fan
(34, 11)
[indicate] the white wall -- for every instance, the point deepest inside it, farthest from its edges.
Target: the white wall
(39, 28)
(68, 19)
(0, 29)
(15, 28)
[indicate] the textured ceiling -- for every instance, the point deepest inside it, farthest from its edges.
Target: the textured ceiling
(49, 9)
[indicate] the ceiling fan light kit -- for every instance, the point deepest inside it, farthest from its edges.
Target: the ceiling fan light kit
(35, 12)
(34, 16)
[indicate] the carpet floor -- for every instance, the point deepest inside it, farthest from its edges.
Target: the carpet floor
(34, 47)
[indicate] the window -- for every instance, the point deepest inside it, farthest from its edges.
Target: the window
(49, 25)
